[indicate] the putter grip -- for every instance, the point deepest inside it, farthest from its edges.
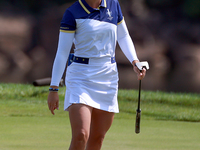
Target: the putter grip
(137, 123)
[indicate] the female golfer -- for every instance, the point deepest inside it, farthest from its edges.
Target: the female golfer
(93, 26)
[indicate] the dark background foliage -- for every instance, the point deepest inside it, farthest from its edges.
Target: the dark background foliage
(166, 33)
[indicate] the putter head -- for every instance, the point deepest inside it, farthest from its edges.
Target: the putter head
(141, 65)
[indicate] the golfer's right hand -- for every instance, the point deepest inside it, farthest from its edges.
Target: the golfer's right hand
(53, 101)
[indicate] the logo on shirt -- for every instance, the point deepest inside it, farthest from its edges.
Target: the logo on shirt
(109, 13)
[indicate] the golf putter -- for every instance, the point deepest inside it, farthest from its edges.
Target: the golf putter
(140, 66)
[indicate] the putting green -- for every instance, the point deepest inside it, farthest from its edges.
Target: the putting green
(50, 133)
(154, 135)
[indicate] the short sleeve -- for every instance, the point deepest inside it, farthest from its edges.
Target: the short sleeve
(68, 23)
(120, 15)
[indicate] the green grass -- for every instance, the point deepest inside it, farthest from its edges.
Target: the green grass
(162, 106)
(170, 121)
(27, 100)
(50, 133)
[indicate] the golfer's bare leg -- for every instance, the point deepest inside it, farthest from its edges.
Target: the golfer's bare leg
(80, 119)
(101, 122)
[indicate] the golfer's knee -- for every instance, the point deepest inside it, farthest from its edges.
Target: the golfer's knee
(99, 139)
(81, 137)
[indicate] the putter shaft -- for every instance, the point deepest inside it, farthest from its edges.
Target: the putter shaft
(138, 112)
(139, 94)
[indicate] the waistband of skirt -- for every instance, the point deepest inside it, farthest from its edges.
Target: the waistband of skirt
(92, 60)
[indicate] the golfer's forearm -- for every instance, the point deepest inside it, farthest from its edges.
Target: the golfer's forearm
(125, 42)
(54, 87)
(64, 47)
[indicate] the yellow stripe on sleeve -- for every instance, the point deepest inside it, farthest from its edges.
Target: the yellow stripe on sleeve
(120, 21)
(67, 31)
(64, 28)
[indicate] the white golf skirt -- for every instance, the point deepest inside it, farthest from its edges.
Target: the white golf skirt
(94, 84)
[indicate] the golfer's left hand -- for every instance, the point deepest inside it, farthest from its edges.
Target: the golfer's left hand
(140, 73)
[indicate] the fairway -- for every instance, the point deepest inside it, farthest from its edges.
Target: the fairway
(50, 133)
